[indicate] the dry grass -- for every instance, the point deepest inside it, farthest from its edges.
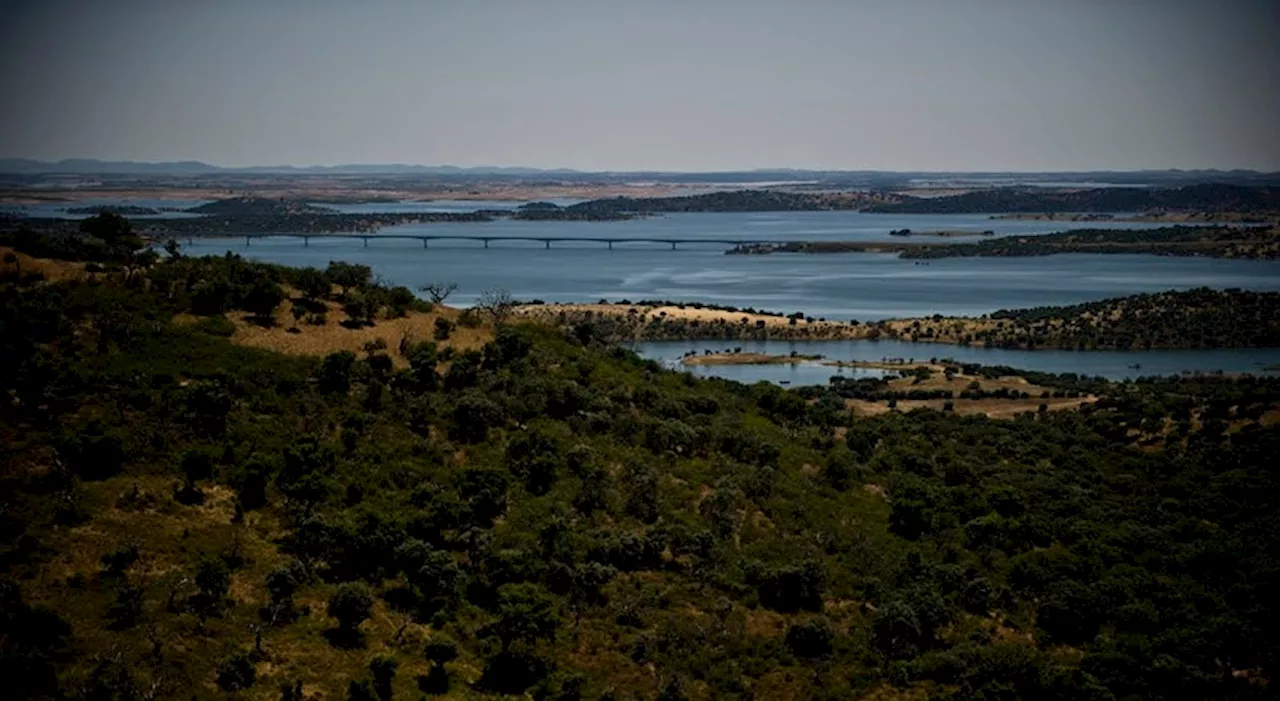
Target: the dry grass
(53, 270)
(989, 406)
(689, 313)
(333, 336)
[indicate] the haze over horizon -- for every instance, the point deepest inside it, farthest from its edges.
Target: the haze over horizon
(987, 85)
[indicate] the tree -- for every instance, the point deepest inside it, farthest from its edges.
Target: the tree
(811, 639)
(313, 283)
(348, 276)
(262, 298)
(432, 573)
(383, 668)
(359, 309)
(213, 579)
(335, 372)
(439, 291)
(526, 614)
(474, 415)
(351, 604)
(282, 583)
(360, 690)
(444, 329)
(497, 303)
(422, 359)
(436, 680)
(237, 672)
(126, 609)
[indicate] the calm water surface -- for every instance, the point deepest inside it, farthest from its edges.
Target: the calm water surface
(1113, 365)
(862, 286)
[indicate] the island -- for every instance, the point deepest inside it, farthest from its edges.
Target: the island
(1200, 197)
(128, 210)
(737, 357)
(1250, 242)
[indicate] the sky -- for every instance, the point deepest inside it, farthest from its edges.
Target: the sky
(676, 85)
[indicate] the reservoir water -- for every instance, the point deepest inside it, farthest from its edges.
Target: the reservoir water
(861, 286)
(864, 286)
(1113, 365)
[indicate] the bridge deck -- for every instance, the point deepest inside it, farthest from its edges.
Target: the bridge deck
(486, 240)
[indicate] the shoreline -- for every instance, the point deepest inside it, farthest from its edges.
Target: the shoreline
(1107, 324)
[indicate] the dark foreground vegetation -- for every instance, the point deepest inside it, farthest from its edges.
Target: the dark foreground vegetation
(1205, 197)
(183, 517)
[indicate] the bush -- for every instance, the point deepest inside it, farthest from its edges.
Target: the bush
(444, 328)
(216, 325)
(237, 672)
(811, 639)
(351, 604)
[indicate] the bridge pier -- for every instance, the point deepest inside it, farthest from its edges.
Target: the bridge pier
(247, 239)
(610, 245)
(673, 245)
(366, 241)
(306, 242)
(424, 242)
(486, 243)
(548, 242)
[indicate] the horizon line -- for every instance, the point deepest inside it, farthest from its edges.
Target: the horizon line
(36, 162)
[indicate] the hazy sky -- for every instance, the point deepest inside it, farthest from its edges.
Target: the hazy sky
(648, 84)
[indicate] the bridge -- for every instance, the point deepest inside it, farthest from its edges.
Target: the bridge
(426, 239)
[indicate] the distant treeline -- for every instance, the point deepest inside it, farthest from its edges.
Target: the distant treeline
(736, 201)
(1217, 242)
(1208, 197)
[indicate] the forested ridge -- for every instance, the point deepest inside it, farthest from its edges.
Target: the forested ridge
(1261, 243)
(1203, 197)
(184, 517)
(1198, 318)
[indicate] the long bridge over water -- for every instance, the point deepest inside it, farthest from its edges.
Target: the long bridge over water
(426, 239)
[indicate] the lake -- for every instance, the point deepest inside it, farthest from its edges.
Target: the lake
(1113, 365)
(864, 286)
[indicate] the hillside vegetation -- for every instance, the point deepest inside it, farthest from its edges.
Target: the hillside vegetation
(551, 515)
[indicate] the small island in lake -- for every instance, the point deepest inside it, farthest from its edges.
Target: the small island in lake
(947, 233)
(739, 358)
(124, 210)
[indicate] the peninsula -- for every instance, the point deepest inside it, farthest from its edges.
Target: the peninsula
(1253, 242)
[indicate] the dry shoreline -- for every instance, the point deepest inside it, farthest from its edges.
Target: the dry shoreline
(732, 324)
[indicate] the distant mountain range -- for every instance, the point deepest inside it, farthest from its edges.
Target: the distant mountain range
(90, 166)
